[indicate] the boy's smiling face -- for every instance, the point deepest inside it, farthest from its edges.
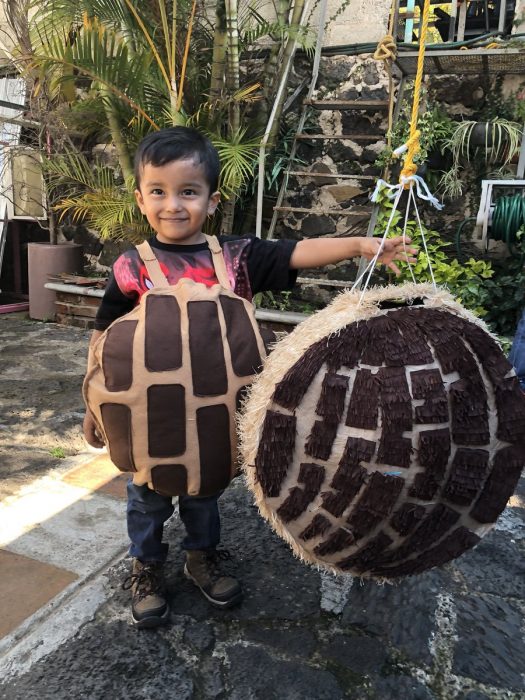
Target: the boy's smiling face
(176, 199)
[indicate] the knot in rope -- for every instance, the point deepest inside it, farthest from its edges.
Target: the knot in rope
(386, 49)
(412, 147)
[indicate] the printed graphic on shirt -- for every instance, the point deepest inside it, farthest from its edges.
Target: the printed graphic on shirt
(133, 280)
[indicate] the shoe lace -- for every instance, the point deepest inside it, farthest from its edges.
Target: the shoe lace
(147, 581)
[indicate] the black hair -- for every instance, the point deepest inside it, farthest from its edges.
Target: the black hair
(178, 143)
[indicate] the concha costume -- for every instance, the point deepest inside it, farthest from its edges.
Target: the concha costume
(168, 377)
(384, 437)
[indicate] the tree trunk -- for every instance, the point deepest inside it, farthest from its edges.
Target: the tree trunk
(218, 67)
(288, 49)
(52, 223)
(232, 81)
(115, 127)
(233, 63)
(272, 65)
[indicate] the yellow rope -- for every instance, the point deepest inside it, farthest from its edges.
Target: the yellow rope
(409, 167)
(386, 51)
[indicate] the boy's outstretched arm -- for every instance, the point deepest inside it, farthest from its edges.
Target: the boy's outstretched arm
(89, 427)
(317, 252)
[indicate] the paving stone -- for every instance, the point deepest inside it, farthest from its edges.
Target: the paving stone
(401, 688)
(200, 636)
(294, 640)
(490, 648)
(356, 652)
(502, 562)
(402, 613)
(256, 674)
(209, 683)
(107, 659)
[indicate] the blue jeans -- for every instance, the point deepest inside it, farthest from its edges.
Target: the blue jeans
(148, 511)
(517, 351)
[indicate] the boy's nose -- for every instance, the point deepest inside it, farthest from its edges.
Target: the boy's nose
(173, 204)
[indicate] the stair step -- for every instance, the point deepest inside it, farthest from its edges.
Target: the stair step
(339, 212)
(306, 173)
(348, 104)
(342, 137)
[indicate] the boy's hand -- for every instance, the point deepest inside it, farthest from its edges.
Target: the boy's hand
(397, 248)
(91, 433)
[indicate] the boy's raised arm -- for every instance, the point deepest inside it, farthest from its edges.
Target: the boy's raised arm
(317, 252)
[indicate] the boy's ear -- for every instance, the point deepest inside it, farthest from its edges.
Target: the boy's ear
(140, 200)
(213, 202)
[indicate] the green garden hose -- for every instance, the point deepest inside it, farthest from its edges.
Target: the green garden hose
(459, 252)
(508, 217)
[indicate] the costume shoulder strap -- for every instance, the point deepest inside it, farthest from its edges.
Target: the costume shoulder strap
(152, 265)
(218, 261)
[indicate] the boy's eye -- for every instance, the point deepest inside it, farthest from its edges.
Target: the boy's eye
(156, 191)
(188, 192)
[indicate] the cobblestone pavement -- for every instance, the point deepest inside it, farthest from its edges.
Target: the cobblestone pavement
(453, 632)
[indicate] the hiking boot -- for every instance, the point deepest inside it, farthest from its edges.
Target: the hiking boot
(202, 567)
(149, 607)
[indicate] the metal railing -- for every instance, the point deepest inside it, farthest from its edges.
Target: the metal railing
(461, 20)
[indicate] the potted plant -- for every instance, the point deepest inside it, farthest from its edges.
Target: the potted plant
(30, 194)
(495, 142)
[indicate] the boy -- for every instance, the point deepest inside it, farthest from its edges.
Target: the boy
(177, 172)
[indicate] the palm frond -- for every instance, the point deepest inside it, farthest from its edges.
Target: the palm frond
(101, 55)
(72, 169)
(111, 211)
(238, 160)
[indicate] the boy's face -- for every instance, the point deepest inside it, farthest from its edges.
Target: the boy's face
(176, 199)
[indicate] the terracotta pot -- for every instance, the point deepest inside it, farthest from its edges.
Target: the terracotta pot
(45, 259)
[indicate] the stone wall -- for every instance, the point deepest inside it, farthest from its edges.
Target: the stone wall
(340, 78)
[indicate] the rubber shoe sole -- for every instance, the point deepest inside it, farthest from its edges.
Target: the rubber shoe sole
(217, 603)
(151, 620)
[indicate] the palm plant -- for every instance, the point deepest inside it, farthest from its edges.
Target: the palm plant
(151, 65)
(90, 193)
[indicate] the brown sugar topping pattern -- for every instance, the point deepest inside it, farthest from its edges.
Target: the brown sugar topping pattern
(388, 446)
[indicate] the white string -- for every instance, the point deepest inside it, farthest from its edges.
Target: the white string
(411, 194)
(394, 192)
(370, 267)
(407, 212)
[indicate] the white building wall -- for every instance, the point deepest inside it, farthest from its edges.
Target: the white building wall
(362, 22)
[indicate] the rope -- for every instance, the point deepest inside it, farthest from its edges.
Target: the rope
(408, 178)
(386, 51)
(413, 147)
